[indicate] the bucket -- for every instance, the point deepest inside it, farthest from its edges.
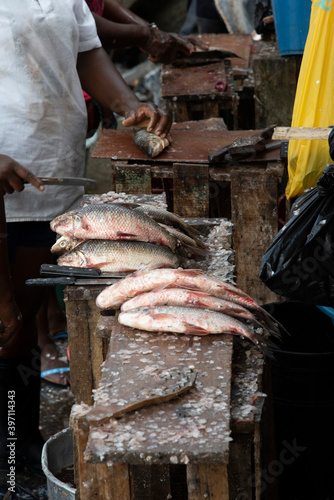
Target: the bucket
(57, 454)
(291, 18)
(302, 375)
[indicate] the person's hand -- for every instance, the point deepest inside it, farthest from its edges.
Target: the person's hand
(10, 321)
(166, 47)
(151, 117)
(13, 175)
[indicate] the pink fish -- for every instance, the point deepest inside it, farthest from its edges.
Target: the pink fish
(188, 320)
(115, 295)
(180, 297)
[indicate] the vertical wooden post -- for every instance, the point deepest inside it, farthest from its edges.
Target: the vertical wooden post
(191, 190)
(207, 481)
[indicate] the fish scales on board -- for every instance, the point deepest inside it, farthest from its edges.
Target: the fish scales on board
(190, 321)
(112, 222)
(119, 256)
(150, 144)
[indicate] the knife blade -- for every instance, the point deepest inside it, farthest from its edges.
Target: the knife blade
(66, 181)
(203, 57)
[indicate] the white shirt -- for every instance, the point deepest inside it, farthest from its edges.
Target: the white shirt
(43, 119)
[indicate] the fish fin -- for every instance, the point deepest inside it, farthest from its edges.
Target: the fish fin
(195, 330)
(162, 287)
(127, 235)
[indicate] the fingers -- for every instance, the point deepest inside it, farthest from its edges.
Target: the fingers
(197, 42)
(154, 119)
(13, 176)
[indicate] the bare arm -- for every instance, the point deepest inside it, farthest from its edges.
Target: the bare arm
(100, 79)
(119, 27)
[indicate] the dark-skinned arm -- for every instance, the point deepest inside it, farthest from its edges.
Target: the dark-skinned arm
(119, 27)
(101, 80)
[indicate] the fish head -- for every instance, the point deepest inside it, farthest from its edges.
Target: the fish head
(67, 225)
(73, 259)
(63, 244)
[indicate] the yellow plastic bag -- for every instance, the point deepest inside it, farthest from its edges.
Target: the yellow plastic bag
(314, 100)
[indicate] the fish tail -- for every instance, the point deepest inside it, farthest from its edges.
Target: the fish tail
(186, 250)
(275, 327)
(264, 344)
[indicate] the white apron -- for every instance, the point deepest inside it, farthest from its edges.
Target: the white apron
(43, 116)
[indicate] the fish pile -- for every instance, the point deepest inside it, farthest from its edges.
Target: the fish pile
(115, 238)
(188, 301)
(148, 143)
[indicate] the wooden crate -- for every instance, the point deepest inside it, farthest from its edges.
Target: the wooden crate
(247, 191)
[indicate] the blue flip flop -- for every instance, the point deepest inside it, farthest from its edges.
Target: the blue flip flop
(53, 371)
(60, 335)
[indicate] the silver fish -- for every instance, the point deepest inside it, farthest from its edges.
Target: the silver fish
(119, 256)
(111, 222)
(148, 143)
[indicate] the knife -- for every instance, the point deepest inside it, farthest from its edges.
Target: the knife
(203, 57)
(66, 181)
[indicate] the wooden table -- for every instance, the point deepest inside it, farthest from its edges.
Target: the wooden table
(246, 192)
(206, 443)
(191, 92)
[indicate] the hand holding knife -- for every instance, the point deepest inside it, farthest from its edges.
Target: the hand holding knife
(13, 176)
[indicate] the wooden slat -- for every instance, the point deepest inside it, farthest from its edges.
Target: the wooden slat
(132, 179)
(207, 481)
(191, 190)
(254, 215)
(301, 133)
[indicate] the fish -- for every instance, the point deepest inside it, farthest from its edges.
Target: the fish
(111, 222)
(119, 256)
(180, 297)
(190, 321)
(114, 296)
(148, 143)
(170, 219)
(64, 244)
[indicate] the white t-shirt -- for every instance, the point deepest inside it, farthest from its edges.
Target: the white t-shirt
(42, 110)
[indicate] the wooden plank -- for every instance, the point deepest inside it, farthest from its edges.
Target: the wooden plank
(191, 190)
(275, 83)
(138, 361)
(132, 179)
(255, 218)
(301, 133)
(207, 481)
(189, 145)
(82, 316)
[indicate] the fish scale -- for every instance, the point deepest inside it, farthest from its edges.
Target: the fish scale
(119, 256)
(113, 222)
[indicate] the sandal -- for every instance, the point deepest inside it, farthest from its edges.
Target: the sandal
(53, 369)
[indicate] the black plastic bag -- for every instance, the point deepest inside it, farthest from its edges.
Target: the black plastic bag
(299, 264)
